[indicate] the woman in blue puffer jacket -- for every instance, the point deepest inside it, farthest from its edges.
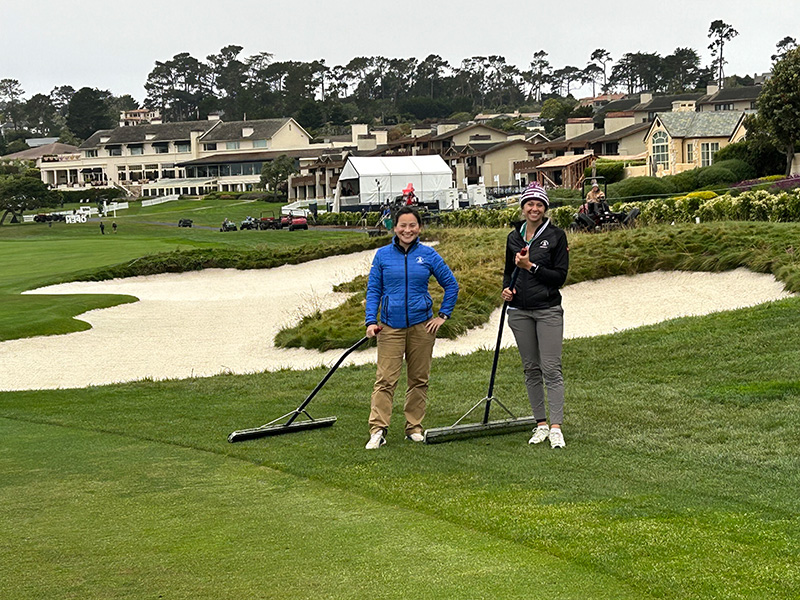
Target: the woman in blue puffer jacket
(398, 285)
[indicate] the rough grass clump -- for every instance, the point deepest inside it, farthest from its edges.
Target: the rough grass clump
(475, 259)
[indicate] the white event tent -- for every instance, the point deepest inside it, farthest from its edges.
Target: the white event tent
(376, 180)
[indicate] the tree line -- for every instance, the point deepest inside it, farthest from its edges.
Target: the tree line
(368, 89)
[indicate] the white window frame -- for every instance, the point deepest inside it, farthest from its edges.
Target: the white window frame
(660, 144)
(707, 152)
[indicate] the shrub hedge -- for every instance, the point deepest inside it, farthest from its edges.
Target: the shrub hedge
(93, 195)
(612, 170)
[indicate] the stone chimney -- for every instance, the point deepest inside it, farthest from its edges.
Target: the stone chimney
(213, 116)
(445, 128)
(420, 131)
(381, 137)
(684, 106)
(645, 97)
(712, 89)
(578, 126)
(367, 143)
(617, 120)
(357, 130)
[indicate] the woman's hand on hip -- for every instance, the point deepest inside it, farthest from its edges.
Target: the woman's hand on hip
(507, 294)
(433, 325)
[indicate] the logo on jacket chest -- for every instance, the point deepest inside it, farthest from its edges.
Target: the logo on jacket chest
(544, 244)
(420, 260)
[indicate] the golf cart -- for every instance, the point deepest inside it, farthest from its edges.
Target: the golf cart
(250, 223)
(185, 222)
(227, 226)
(272, 221)
(297, 221)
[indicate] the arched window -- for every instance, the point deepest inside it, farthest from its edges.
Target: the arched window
(660, 149)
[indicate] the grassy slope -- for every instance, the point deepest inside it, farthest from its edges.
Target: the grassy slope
(476, 258)
(678, 480)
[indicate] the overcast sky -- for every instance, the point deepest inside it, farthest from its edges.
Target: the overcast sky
(113, 45)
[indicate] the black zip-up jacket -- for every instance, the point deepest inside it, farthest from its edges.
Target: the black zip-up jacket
(549, 251)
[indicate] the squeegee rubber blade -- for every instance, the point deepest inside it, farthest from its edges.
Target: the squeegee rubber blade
(446, 434)
(259, 432)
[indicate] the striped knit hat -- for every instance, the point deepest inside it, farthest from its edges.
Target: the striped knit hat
(534, 191)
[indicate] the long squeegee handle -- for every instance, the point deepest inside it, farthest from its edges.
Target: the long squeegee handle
(325, 379)
(514, 276)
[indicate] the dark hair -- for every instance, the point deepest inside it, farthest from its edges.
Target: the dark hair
(408, 210)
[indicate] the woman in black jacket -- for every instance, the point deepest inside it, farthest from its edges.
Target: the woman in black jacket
(535, 314)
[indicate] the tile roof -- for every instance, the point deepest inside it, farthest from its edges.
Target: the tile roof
(624, 132)
(263, 129)
(700, 124)
(40, 151)
(747, 92)
(453, 132)
(159, 132)
(664, 103)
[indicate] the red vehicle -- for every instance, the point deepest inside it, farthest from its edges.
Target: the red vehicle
(292, 221)
(297, 221)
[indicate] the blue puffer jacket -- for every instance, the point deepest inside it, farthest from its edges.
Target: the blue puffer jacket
(398, 283)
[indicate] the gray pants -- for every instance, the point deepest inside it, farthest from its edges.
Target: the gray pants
(539, 335)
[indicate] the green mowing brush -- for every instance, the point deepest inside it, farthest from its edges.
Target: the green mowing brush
(275, 427)
(485, 427)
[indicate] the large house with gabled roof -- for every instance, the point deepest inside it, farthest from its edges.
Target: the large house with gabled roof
(683, 140)
(188, 157)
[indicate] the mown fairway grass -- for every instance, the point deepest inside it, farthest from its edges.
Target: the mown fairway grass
(678, 481)
(33, 255)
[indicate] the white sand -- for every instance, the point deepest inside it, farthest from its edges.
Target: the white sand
(208, 322)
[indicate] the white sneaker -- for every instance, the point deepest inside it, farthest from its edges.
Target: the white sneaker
(376, 440)
(416, 437)
(557, 438)
(539, 434)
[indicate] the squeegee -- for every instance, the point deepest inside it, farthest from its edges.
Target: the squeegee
(459, 430)
(292, 424)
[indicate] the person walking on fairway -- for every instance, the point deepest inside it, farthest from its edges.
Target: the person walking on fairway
(398, 284)
(114, 226)
(535, 314)
(102, 228)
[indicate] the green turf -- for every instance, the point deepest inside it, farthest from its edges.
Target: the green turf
(678, 480)
(33, 255)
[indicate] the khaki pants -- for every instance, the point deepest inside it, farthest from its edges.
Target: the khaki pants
(416, 345)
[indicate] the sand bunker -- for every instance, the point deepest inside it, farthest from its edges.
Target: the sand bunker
(207, 322)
